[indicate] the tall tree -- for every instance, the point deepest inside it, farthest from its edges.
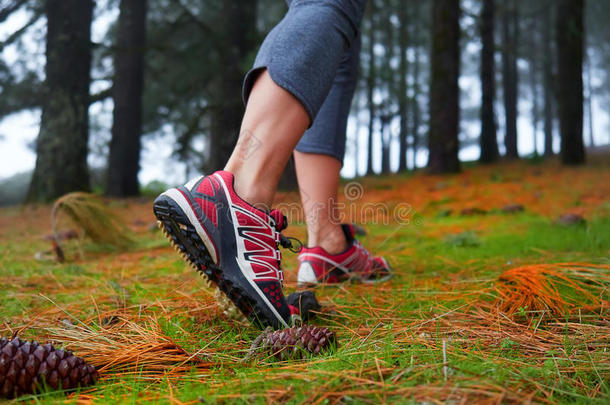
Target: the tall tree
(570, 43)
(237, 39)
(61, 147)
(510, 75)
(589, 99)
(443, 141)
(124, 158)
(370, 85)
(416, 34)
(386, 138)
(488, 139)
(547, 84)
(402, 87)
(533, 48)
(388, 77)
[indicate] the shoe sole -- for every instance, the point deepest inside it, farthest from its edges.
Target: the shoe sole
(185, 240)
(343, 282)
(351, 279)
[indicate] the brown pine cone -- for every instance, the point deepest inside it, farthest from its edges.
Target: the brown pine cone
(27, 366)
(295, 343)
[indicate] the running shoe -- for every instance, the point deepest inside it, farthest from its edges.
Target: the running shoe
(234, 244)
(316, 265)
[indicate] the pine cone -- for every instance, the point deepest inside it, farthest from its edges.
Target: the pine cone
(26, 366)
(306, 302)
(295, 343)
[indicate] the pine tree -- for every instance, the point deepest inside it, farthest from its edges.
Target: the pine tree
(402, 87)
(61, 147)
(570, 42)
(510, 75)
(128, 83)
(443, 141)
(488, 139)
(547, 84)
(236, 39)
(370, 84)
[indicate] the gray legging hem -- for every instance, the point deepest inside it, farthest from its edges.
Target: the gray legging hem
(313, 53)
(320, 150)
(282, 81)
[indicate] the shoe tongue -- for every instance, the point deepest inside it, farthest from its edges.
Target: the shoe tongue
(280, 220)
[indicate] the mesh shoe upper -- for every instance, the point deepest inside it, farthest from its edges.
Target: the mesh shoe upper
(316, 265)
(242, 241)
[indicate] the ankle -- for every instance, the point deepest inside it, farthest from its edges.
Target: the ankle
(253, 189)
(330, 238)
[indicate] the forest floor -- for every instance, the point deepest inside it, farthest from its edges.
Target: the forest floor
(489, 303)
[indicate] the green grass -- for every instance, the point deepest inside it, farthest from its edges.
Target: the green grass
(392, 357)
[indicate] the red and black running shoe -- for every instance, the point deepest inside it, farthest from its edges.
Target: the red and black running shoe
(232, 243)
(316, 265)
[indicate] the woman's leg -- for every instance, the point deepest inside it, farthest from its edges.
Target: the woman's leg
(319, 156)
(218, 232)
(273, 123)
(332, 254)
(318, 177)
(292, 75)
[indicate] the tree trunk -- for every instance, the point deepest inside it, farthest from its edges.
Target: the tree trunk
(510, 76)
(237, 41)
(589, 101)
(535, 108)
(570, 40)
(386, 139)
(402, 89)
(488, 139)
(357, 138)
(388, 74)
(370, 87)
(415, 122)
(124, 158)
(61, 147)
(548, 85)
(533, 49)
(444, 90)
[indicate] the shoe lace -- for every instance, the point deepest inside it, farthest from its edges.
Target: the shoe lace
(364, 262)
(279, 223)
(291, 243)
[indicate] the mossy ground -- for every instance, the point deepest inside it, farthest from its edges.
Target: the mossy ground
(431, 334)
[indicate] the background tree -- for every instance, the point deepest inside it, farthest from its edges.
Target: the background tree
(124, 157)
(403, 72)
(388, 87)
(598, 58)
(547, 83)
(510, 75)
(420, 39)
(371, 79)
(61, 147)
(488, 139)
(570, 42)
(531, 22)
(198, 51)
(443, 143)
(237, 38)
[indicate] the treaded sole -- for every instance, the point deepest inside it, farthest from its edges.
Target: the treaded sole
(185, 240)
(226, 305)
(353, 279)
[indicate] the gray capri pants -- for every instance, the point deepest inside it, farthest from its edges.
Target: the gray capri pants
(314, 54)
